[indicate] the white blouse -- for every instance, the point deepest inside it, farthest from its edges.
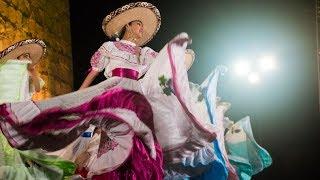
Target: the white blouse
(122, 54)
(15, 81)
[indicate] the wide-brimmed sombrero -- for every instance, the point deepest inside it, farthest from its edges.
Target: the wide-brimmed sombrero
(145, 12)
(36, 48)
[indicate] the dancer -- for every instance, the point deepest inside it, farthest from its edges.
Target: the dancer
(18, 81)
(122, 106)
(180, 130)
(122, 114)
(146, 106)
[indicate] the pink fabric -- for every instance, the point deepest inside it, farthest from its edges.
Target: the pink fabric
(106, 143)
(139, 166)
(150, 53)
(154, 54)
(55, 118)
(95, 59)
(125, 72)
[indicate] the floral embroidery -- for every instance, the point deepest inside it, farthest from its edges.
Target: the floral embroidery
(95, 60)
(128, 52)
(154, 54)
(126, 47)
(166, 85)
(106, 144)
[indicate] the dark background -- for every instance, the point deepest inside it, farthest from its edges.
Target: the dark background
(283, 107)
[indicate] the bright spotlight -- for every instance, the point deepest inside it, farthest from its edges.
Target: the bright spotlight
(254, 78)
(242, 67)
(267, 63)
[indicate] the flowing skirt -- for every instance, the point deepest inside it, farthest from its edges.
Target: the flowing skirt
(159, 109)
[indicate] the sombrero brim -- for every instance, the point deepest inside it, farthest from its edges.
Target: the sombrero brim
(189, 58)
(145, 12)
(35, 47)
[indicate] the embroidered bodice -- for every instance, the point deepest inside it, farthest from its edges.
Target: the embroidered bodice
(122, 54)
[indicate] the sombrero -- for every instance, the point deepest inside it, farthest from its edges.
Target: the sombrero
(35, 47)
(145, 12)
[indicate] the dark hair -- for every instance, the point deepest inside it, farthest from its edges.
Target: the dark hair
(23, 55)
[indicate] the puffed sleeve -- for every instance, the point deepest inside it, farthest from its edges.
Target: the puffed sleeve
(101, 57)
(147, 55)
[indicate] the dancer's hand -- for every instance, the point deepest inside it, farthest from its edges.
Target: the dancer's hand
(189, 58)
(90, 77)
(31, 68)
(34, 77)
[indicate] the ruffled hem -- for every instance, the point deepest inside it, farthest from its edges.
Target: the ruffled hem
(139, 165)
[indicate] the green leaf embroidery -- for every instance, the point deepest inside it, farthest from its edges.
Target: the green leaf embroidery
(200, 97)
(165, 85)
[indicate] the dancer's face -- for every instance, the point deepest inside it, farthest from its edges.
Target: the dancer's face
(136, 28)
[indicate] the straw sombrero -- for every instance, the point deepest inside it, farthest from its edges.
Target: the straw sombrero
(35, 47)
(189, 58)
(145, 12)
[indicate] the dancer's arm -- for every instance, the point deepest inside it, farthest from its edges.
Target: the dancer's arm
(98, 62)
(90, 77)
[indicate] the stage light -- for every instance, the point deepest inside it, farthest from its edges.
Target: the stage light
(242, 67)
(254, 78)
(267, 63)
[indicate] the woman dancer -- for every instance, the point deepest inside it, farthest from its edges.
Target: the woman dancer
(18, 81)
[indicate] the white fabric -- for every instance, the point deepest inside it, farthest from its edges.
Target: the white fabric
(15, 83)
(25, 111)
(108, 57)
